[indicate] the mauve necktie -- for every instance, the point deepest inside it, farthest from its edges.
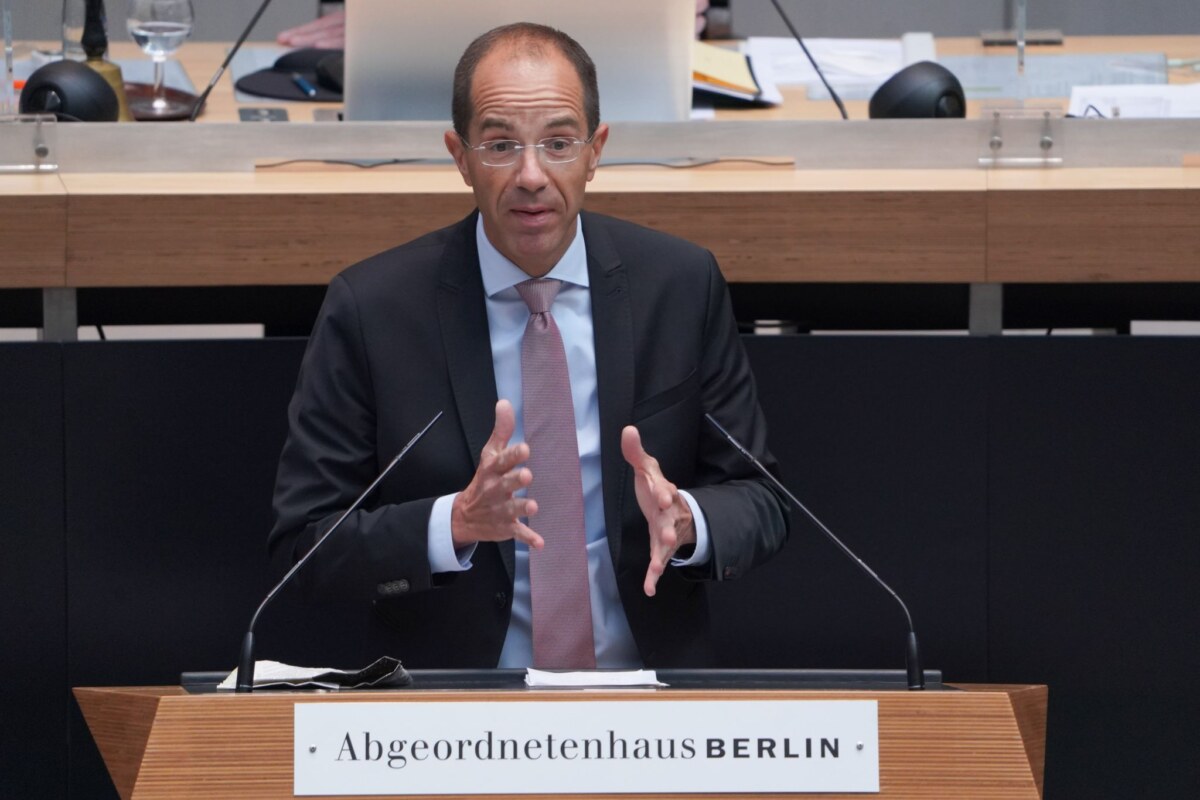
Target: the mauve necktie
(558, 573)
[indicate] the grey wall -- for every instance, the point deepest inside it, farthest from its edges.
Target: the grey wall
(958, 18)
(224, 19)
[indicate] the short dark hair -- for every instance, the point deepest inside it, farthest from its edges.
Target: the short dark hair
(532, 38)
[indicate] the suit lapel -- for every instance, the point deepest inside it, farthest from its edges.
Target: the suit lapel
(612, 322)
(466, 342)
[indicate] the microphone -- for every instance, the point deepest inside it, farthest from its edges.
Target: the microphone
(912, 654)
(245, 677)
(221, 70)
(800, 41)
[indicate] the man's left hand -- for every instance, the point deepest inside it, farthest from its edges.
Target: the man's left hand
(667, 514)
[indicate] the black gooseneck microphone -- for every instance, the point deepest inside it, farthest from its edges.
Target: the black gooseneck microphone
(245, 676)
(221, 70)
(912, 654)
(800, 41)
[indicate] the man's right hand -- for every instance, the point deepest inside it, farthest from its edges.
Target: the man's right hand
(487, 511)
(328, 31)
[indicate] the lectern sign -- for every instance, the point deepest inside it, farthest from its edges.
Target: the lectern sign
(581, 747)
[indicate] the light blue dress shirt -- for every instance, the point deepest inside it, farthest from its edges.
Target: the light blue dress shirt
(572, 310)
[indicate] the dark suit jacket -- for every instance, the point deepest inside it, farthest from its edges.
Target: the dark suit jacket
(404, 334)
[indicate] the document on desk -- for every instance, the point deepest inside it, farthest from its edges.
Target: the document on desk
(854, 67)
(994, 77)
(730, 73)
(1137, 101)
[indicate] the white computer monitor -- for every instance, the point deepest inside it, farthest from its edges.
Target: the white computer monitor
(401, 54)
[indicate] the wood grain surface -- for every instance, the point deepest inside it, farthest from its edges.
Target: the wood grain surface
(33, 231)
(763, 225)
(980, 742)
(296, 228)
(301, 226)
(1094, 226)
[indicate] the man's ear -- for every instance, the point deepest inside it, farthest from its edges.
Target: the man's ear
(459, 152)
(599, 138)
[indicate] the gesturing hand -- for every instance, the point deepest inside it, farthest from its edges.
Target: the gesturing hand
(486, 510)
(667, 513)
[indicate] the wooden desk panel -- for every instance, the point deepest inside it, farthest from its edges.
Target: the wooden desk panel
(245, 229)
(978, 742)
(902, 237)
(764, 225)
(777, 225)
(239, 240)
(1104, 225)
(33, 224)
(774, 225)
(781, 225)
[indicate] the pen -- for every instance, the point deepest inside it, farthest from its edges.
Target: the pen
(303, 84)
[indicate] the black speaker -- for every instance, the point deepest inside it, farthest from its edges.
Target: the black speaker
(920, 90)
(71, 91)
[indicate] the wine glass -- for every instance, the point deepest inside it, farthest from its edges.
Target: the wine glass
(159, 27)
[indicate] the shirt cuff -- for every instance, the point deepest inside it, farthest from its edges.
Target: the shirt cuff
(701, 554)
(442, 555)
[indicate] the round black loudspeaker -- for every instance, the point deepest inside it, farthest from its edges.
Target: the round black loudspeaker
(920, 90)
(71, 91)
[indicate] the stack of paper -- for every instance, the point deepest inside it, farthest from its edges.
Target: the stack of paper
(1130, 101)
(537, 678)
(728, 73)
(854, 67)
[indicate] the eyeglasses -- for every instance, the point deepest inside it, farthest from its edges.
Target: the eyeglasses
(506, 152)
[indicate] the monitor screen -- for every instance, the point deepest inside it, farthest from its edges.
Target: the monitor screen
(401, 54)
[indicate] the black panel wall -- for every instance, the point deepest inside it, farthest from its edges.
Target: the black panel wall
(170, 462)
(1094, 466)
(885, 441)
(1034, 500)
(33, 650)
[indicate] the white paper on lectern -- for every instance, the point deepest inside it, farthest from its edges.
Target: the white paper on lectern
(275, 672)
(638, 677)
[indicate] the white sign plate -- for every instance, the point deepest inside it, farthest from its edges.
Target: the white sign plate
(586, 747)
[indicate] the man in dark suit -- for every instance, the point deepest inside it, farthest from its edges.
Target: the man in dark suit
(443, 555)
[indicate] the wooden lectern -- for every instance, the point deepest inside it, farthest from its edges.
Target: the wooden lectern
(962, 741)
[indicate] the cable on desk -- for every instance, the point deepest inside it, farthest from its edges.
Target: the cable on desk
(364, 164)
(1090, 108)
(693, 163)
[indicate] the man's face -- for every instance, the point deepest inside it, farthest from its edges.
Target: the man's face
(529, 208)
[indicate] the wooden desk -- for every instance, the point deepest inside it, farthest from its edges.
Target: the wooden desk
(772, 225)
(303, 227)
(201, 60)
(1172, 46)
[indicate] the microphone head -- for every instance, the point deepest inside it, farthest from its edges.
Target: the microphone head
(919, 91)
(71, 91)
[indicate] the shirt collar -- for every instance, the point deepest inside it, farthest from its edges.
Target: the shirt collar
(499, 273)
